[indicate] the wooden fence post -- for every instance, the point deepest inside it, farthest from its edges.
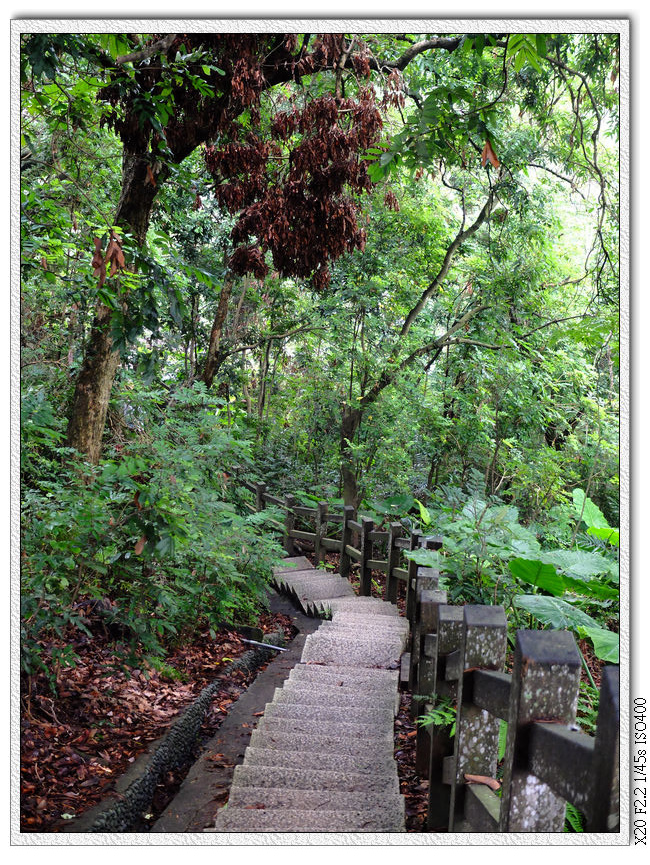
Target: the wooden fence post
(544, 687)
(447, 642)
(393, 556)
(346, 537)
(424, 579)
(260, 489)
(431, 599)
(365, 547)
(320, 529)
(476, 744)
(604, 794)
(412, 568)
(289, 522)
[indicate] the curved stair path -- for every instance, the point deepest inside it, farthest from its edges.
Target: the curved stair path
(321, 758)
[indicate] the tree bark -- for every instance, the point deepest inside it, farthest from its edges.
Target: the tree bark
(101, 361)
(214, 358)
(93, 389)
(350, 423)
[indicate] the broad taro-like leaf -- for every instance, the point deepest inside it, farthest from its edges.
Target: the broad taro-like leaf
(606, 643)
(429, 558)
(612, 536)
(588, 511)
(554, 612)
(577, 563)
(544, 576)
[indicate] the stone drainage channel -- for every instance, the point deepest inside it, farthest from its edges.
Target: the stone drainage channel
(321, 757)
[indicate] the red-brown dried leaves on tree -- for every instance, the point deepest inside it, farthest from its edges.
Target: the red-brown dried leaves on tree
(391, 202)
(394, 90)
(296, 202)
(488, 155)
(98, 265)
(114, 254)
(114, 257)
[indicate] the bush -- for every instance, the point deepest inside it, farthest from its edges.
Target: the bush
(159, 529)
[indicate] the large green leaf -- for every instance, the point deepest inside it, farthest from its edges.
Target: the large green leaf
(399, 504)
(606, 643)
(544, 576)
(577, 563)
(588, 511)
(554, 612)
(430, 558)
(612, 536)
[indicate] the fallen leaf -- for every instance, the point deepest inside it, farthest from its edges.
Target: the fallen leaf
(492, 783)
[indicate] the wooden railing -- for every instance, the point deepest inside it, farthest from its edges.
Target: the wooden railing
(459, 654)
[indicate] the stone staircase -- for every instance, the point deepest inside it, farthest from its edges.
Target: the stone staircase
(321, 758)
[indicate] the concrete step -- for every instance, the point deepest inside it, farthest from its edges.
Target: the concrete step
(322, 744)
(311, 576)
(293, 563)
(369, 624)
(316, 761)
(304, 779)
(379, 718)
(321, 694)
(365, 605)
(323, 649)
(344, 675)
(259, 820)
(325, 589)
(290, 580)
(377, 635)
(350, 729)
(271, 798)
(351, 618)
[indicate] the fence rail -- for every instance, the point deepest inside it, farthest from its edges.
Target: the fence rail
(459, 654)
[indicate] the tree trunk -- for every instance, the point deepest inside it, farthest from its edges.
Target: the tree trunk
(93, 389)
(101, 360)
(350, 423)
(214, 358)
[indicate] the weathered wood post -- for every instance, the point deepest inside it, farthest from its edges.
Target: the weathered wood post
(545, 683)
(412, 568)
(446, 644)
(424, 579)
(365, 547)
(346, 537)
(604, 795)
(430, 601)
(393, 556)
(320, 521)
(476, 745)
(289, 522)
(260, 489)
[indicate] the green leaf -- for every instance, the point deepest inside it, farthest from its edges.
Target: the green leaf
(612, 536)
(606, 643)
(554, 612)
(588, 512)
(544, 576)
(430, 558)
(577, 563)
(425, 515)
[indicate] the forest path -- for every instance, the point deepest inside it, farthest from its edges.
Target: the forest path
(321, 757)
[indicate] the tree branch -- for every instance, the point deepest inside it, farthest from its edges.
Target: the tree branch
(460, 238)
(159, 47)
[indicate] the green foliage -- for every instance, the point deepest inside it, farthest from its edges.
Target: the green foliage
(158, 529)
(443, 714)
